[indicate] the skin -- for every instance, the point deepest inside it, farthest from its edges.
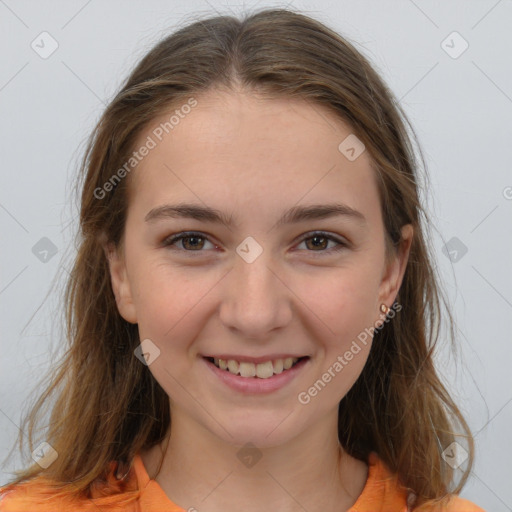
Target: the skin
(253, 158)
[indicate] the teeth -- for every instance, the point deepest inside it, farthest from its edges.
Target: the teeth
(264, 370)
(233, 366)
(278, 366)
(260, 370)
(288, 363)
(247, 369)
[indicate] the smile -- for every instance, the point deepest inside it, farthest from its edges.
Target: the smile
(254, 375)
(263, 370)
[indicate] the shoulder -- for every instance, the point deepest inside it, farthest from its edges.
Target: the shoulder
(454, 504)
(27, 496)
(384, 487)
(37, 496)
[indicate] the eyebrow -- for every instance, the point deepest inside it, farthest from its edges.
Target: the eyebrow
(293, 215)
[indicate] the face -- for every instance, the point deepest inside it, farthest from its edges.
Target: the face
(256, 283)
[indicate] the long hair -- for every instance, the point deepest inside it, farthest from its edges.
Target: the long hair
(108, 405)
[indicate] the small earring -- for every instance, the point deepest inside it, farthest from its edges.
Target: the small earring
(384, 309)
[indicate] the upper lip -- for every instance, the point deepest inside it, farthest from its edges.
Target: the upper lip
(255, 360)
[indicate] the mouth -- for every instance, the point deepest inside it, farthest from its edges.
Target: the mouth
(261, 370)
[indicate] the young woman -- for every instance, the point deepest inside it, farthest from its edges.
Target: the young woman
(253, 308)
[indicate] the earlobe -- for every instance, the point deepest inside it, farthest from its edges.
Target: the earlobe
(395, 269)
(120, 283)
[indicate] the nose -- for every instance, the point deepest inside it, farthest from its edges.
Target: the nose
(255, 299)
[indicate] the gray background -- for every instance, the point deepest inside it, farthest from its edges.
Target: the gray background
(460, 107)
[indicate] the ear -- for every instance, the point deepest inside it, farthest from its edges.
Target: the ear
(120, 282)
(395, 269)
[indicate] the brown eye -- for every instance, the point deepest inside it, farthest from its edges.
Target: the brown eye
(318, 242)
(190, 242)
(193, 242)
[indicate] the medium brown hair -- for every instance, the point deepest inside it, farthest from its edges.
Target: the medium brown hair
(109, 406)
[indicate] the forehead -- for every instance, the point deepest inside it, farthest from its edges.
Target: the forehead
(243, 149)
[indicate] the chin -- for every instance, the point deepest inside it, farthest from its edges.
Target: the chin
(260, 429)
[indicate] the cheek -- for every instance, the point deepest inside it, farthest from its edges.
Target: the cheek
(345, 303)
(170, 301)
(343, 299)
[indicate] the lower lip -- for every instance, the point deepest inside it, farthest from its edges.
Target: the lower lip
(255, 385)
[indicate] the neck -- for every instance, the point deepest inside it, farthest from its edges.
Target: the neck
(202, 472)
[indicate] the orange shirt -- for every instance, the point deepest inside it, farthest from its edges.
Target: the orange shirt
(380, 494)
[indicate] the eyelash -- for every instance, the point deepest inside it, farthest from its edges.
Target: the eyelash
(171, 240)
